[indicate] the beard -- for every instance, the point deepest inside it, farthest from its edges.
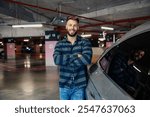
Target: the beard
(72, 35)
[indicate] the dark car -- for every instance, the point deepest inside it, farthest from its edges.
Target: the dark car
(102, 85)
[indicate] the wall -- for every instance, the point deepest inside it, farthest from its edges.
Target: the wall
(97, 51)
(7, 31)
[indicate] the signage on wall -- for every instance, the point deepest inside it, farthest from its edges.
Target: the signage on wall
(9, 40)
(52, 36)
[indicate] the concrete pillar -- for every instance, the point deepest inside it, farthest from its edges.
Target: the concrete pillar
(49, 50)
(51, 38)
(9, 48)
(37, 48)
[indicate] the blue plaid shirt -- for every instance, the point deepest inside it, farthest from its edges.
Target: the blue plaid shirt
(73, 70)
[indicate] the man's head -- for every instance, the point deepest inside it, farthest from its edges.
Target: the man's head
(138, 55)
(72, 26)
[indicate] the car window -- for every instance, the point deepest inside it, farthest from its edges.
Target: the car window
(106, 60)
(135, 78)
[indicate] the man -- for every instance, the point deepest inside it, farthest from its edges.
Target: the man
(72, 54)
(137, 55)
(122, 71)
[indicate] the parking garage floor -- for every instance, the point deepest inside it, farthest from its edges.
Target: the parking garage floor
(27, 78)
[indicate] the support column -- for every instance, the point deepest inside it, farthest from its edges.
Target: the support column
(37, 49)
(9, 49)
(51, 38)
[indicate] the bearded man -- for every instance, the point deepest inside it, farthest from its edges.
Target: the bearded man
(72, 54)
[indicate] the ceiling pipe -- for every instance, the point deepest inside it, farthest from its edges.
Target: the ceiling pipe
(56, 11)
(15, 11)
(52, 10)
(117, 21)
(91, 25)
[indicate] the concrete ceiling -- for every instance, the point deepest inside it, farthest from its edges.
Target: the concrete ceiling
(123, 15)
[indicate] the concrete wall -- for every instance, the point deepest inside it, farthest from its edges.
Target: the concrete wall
(97, 51)
(7, 31)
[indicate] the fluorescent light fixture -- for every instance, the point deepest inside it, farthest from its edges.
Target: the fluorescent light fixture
(27, 25)
(86, 35)
(26, 40)
(40, 45)
(107, 28)
(101, 39)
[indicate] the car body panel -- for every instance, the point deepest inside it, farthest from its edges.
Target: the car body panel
(104, 87)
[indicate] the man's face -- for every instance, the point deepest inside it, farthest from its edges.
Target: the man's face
(139, 55)
(72, 27)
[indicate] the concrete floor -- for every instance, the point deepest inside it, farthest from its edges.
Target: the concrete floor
(27, 78)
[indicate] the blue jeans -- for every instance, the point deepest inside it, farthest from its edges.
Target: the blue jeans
(72, 93)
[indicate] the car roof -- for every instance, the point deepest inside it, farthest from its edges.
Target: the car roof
(134, 32)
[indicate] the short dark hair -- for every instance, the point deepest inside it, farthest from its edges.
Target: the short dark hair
(72, 18)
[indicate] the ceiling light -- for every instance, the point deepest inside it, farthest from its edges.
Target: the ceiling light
(86, 35)
(40, 45)
(88, 8)
(107, 28)
(26, 40)
(27, 25)
(101, 39)
(62, 20)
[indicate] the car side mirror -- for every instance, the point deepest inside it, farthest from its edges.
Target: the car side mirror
(93, 68)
